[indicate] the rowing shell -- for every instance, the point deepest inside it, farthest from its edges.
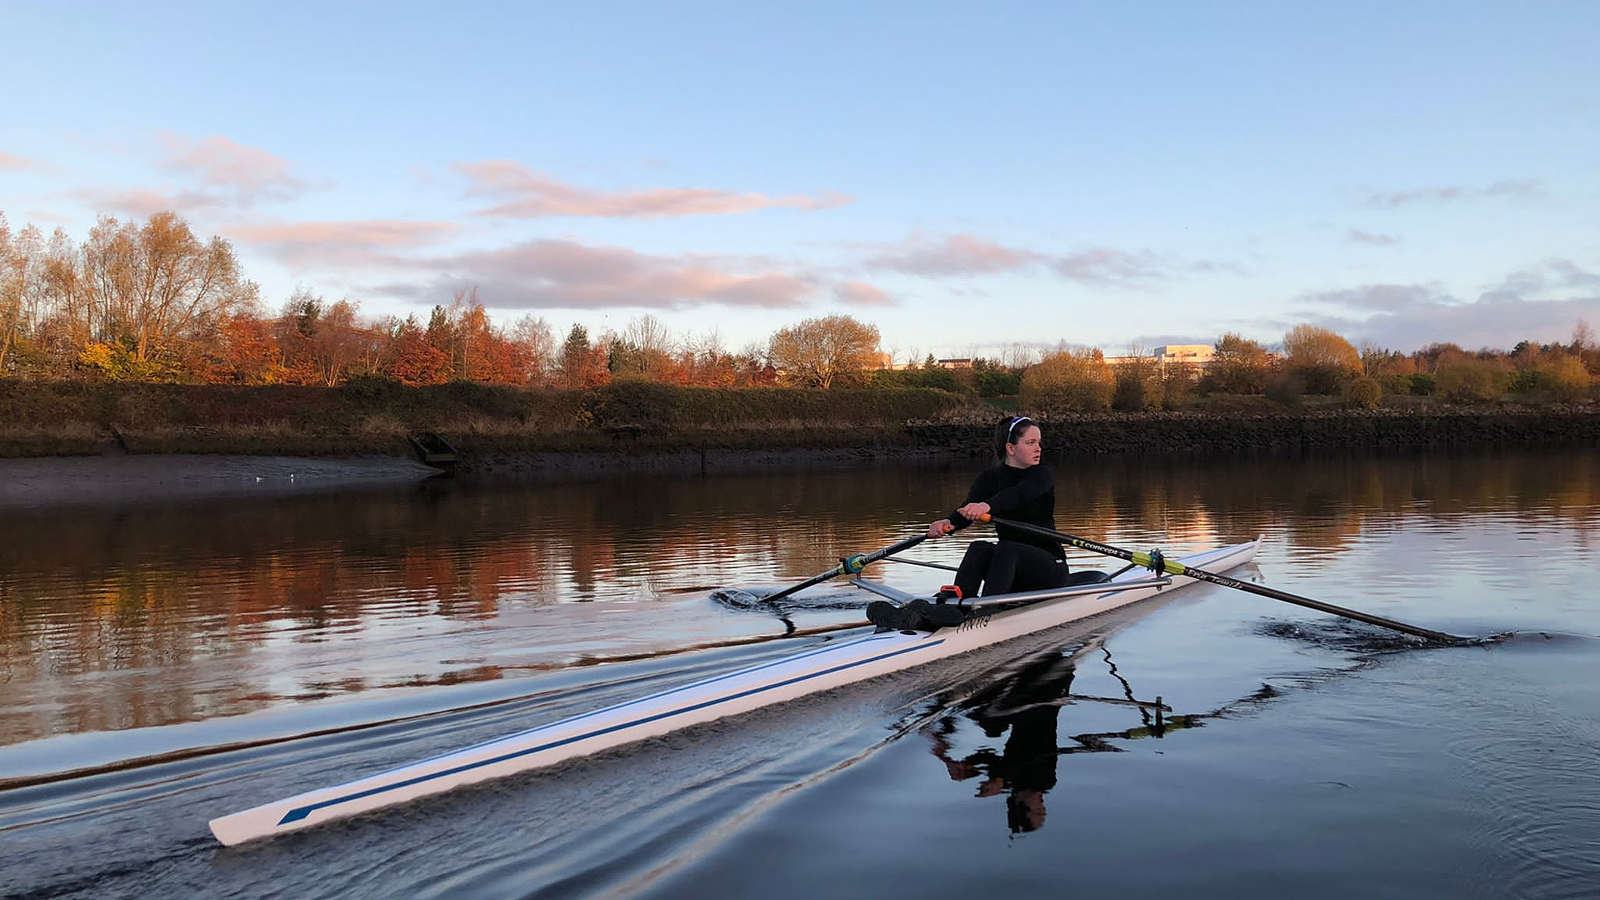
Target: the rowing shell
(713, 698)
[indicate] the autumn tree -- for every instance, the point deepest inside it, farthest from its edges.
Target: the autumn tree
(1240, 366)
(1321, 357)
(1139, 384)
(150, 288)
(325, 343)
(242, 349)
(1069, 380)
(414, 361)
(1468, 379)
(819, 352)
(581, 364)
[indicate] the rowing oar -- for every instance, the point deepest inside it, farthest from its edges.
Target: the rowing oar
(850, 565)
(1158, 563)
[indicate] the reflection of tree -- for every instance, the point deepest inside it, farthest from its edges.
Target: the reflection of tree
(153, 588)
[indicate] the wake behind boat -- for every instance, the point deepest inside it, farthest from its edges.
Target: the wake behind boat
(832, 665)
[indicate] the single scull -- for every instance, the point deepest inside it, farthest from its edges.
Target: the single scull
(818, 669)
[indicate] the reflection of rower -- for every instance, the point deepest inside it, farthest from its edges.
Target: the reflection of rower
(1027, 703)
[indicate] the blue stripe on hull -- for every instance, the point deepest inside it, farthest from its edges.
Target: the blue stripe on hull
(298, 813)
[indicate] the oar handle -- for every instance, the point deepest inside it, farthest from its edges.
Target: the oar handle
(1155, 561)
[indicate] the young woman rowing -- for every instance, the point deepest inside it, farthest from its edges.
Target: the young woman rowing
(1020, 488)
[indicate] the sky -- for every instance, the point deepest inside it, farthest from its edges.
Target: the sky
(968, 177)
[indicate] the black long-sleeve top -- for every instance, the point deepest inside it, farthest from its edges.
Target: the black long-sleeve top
(1025, 495)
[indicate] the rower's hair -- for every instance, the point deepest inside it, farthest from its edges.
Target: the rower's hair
(1006, 433)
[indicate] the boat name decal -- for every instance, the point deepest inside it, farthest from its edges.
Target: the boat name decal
(979, 620)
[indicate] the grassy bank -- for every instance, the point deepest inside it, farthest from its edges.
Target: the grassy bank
(375, 416)
(643, 418)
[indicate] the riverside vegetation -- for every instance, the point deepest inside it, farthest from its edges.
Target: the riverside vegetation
(144, 338)
(638, 418)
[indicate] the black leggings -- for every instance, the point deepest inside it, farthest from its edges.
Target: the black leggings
(1009, 566)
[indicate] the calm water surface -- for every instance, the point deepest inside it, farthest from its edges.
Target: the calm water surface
(162, 664)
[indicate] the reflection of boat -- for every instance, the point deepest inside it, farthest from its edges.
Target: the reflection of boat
(808, 672)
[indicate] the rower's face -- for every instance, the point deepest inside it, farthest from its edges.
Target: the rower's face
(1027, 450)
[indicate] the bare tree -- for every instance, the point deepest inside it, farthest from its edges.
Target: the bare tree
(818, 352)
(650, 335)
(536, 337)
(1582, 337)
(153, 287)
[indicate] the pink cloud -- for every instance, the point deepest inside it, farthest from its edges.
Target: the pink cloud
(10, 162)
(963, 255)
(343, 243)
(142, 202)
(860, 293)
(247, 173)
(566, 274)
(958, 254)
(527, 194)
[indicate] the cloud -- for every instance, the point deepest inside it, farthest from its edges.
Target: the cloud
(140, 203)
(247, 175)
(222, 176)
(523, 193)
(1103, 265)
(1358, 236)
(10, 162)
(348, 243)
(1437, 195)
(544, 274)
(956, 255)
(860, 293)
(1380, 297)
(1540, 303)
(966, 256)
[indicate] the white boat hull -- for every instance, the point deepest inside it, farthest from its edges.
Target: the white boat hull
(713, 698)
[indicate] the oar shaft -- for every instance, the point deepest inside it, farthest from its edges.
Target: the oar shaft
(1296, 599)
(850, 565)
(1173, 567)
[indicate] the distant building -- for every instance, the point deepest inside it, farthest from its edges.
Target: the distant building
(960, 362)
(1198, 355)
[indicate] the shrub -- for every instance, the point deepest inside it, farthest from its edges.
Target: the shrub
(1241, 366)
(998, 383)
(1286, 388)
(1177, 385)
(636, 402)
(376, 389)
(1138, 386)
(1363, 393)
(1423, 384)
(1470, 380)
(1068, 381)
(1566, 378)
(1397, 385)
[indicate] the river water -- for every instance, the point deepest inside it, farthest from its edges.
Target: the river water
(166, 663)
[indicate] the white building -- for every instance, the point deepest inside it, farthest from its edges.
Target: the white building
(1198, 355)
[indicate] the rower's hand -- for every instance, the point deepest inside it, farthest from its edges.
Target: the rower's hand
(941, 528)
(974, 511)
